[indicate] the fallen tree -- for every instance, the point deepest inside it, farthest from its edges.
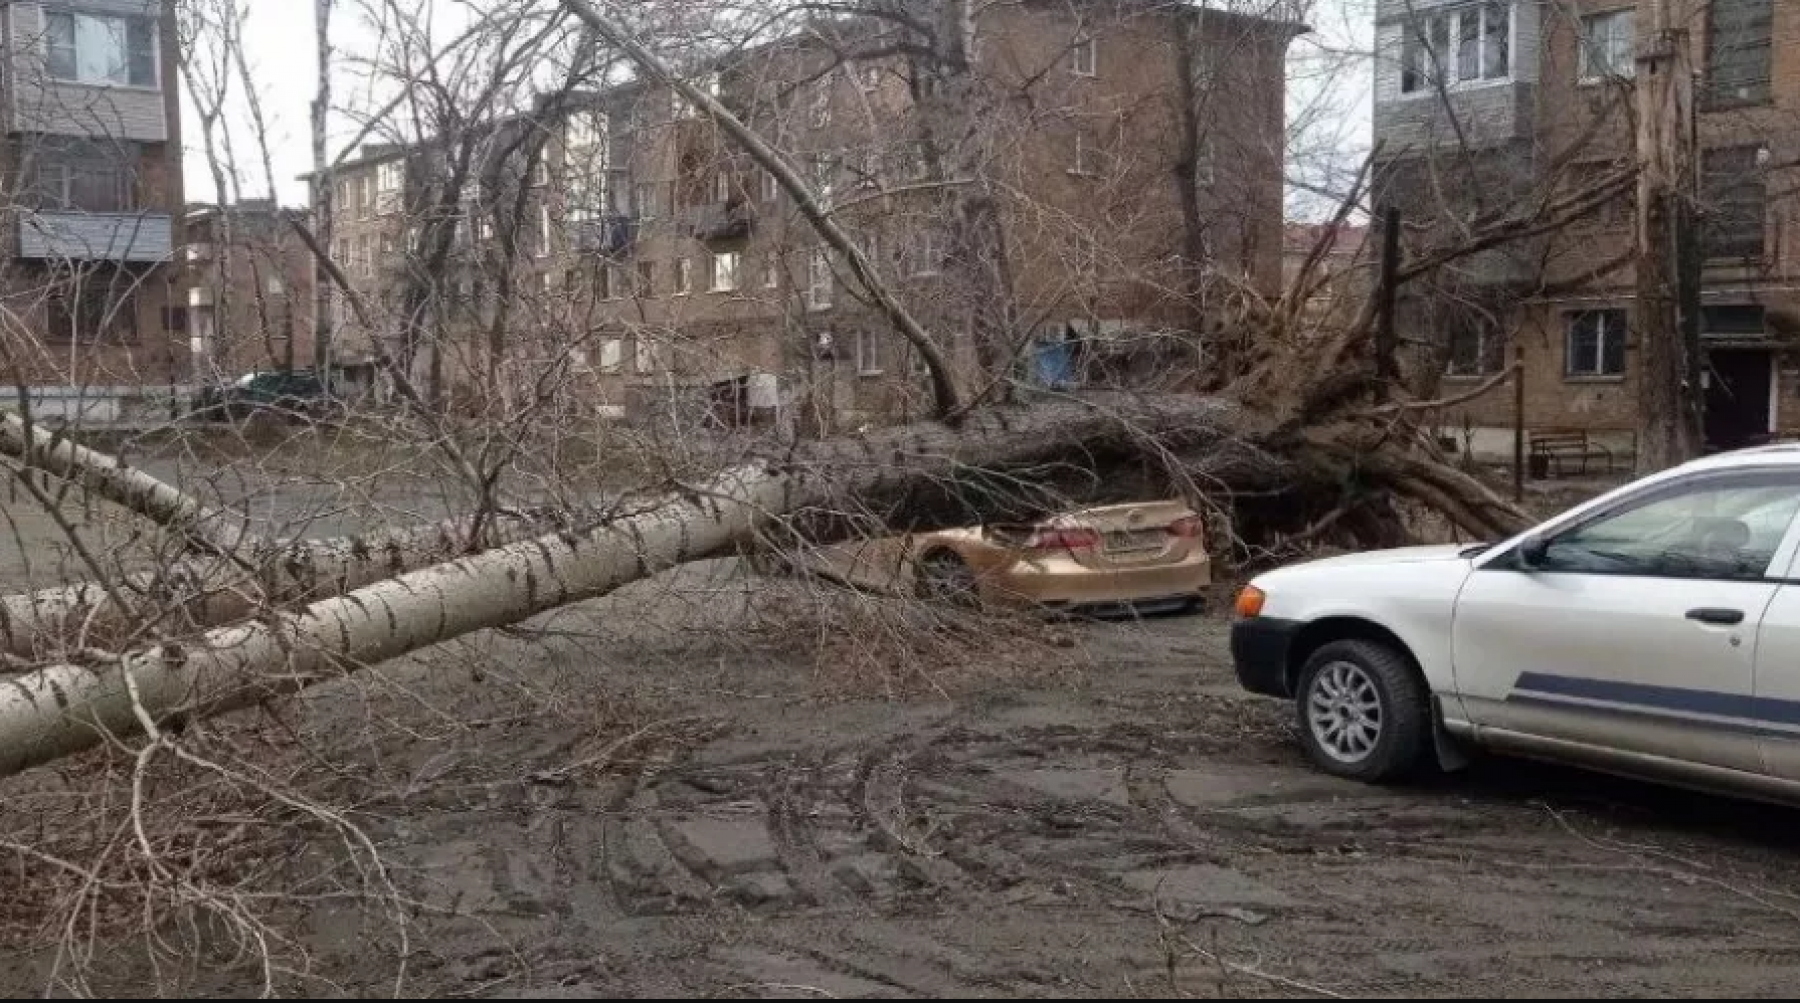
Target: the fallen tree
(912, 476)
(72, 706)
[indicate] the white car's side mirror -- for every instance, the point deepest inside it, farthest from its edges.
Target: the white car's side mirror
(1533, 551)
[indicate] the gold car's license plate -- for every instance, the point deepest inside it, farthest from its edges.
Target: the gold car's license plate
(1133, 542)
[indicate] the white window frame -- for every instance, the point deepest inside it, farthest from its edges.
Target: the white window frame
(771, 188)
(645, 357)
(1598, 371)
(365, 195)
(590, 131)
(390, 176)
(722, 186)
(612, 356)
(1620, 55)
(928, 254)
(824, 177)
(1420, 31)
(819, 109)
(819, 280)
(684, 276)
(643, 200)
(1087, 147)
(156, 68)
(1487, 362)
(544, 236)
(771, 271)
(868, 354)
(1084, 57)
(725, 266)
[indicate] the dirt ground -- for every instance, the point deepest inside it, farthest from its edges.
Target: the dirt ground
(715, 785)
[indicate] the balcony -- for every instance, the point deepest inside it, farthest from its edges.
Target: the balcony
(609, 235)
(95, 236)
(722, 221)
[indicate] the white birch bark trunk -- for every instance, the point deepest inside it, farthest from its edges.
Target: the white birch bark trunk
(66, 708)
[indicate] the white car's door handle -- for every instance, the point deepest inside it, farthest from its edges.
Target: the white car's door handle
(1721, 617)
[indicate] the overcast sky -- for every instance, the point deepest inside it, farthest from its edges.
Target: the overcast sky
(282, 56)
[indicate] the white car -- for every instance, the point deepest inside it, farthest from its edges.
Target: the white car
(1654, 632)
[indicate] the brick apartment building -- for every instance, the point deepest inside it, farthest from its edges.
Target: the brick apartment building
(681, 281)
(92, 164)
(249, 279)
(1482, 104)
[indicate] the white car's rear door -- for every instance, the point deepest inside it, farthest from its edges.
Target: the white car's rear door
(1636, 628)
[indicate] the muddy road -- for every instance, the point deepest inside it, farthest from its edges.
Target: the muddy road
(624, 805)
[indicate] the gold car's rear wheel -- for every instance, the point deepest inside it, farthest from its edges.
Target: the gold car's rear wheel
(946, 578)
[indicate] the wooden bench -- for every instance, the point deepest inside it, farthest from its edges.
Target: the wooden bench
(1555, 449)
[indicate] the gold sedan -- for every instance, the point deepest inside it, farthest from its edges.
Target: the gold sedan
(1141, 557)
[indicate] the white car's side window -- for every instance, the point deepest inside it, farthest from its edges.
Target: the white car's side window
(1727, 529)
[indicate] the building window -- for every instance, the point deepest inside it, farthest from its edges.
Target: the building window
(586, 197)
(684, 276)
(1085, 57)
(391, 176)
(365, 253)
(606, 283)
(91, 312)
(645, 356)
(824, 177)
(820, 112)
(1475, 347)
(1086, 155)
(1738, 52)
(868, 77)
(868, 354)
(722, 186)
(771, 271)
(725, 272)
(540, 172)
(646, 279)
(1615, 213)
(588, 131)
(771, 188)
(928, 253)
(543, 231)
(643, 200)
(1734, 196)
(1608, 45)
(365, 195)
(76, 184)
(612, 355)
(1596, 344)
(100, 49)
(1463, 46)
(818, 281)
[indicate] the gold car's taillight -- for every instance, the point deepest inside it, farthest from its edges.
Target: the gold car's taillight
(1188, 528)
(1064, 539)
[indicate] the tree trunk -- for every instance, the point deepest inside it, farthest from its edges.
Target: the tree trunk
(66, 708)
(323, 196)
(1670, 401)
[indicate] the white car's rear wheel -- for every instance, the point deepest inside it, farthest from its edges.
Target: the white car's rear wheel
(1364, 712)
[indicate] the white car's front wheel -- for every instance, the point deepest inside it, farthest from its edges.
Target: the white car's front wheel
(1364, 712)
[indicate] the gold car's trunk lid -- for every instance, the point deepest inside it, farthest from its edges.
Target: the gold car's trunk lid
(1135, 533)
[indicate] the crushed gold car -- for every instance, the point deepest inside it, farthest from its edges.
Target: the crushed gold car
(1138, 557)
